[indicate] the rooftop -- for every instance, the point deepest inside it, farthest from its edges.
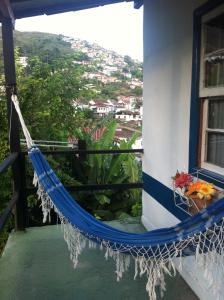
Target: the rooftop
(36, 265)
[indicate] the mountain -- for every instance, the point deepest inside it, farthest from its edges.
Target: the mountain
(38, 43)
(106, 73)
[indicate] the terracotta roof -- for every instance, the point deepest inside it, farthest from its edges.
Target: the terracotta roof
(98, 103)
(97, 134)
(123, 133)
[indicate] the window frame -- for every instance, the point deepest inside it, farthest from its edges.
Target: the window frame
(208, 91)
(208, 94)
(196, 105)
(205, 129)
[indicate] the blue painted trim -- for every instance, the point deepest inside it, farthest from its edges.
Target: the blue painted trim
(138, 4)
(163, 195)
(211, 177)
(207, 7)
(195, 104)
(153, 187)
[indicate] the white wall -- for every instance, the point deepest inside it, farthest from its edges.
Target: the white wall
(168, 37)
(168, 28)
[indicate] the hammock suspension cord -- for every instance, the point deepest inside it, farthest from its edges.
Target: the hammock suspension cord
(155, 253)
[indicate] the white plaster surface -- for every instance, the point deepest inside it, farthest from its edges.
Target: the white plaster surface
(155, 216)
(168, 37)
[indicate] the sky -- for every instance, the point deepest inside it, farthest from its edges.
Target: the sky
(116, 27)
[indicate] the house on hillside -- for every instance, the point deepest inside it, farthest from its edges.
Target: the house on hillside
(100, 76)
(128, 115)
(109, 68)
(128, 102)
(124, 115)
(123, 134)
(101, 108)
(135, 83)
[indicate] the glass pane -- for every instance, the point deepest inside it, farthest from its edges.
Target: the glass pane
(214, 52)
(216, 114)
(215, 149)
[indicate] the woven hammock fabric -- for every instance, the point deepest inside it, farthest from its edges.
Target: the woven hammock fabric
(154, 252)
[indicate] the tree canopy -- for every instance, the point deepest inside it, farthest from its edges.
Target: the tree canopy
(48, 87)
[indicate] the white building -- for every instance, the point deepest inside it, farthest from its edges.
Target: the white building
(183, 102)
(101, 108)
(128, 115)
(108, 70)
(128, 102)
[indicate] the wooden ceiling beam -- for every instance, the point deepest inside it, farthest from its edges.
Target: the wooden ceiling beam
(7, 11)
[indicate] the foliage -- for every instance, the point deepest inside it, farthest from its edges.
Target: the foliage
(6, 188)
(47, 89)
(5, 233)
(137, 91)
(46, 95)
(4, 151)
(115, 89)
(136, 209)
(129, 61)
(102, 169)
(48, 47)
(81, 56)
(137, 73)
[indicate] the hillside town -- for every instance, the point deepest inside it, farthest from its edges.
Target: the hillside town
(111, 67)
(106, 68)
(126, 110)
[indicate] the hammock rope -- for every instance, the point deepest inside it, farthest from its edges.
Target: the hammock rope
(155, 253)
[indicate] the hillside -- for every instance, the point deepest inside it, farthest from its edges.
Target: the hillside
(106, 73)
(68, 90)
(37, 43)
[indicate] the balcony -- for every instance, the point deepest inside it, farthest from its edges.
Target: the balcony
(35, 263)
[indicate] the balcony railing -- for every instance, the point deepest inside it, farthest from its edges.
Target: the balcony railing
(9, 161)
(20, 195)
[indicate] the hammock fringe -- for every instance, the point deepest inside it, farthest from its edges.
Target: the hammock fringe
(156, 266)
(201, 235)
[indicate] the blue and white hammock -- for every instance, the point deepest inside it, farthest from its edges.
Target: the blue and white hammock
(154, 252)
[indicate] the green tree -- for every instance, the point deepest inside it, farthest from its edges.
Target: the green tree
(128, 60)
(46, 94)
(102, 169)
(137, 73)
(138, 91)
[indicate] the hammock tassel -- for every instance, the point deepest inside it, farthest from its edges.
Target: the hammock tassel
(154, 252)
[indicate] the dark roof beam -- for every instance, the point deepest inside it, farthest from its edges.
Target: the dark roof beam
(64, 7)
(138, 3)
(6, 11)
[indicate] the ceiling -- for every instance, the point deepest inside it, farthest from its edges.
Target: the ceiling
(28, 8)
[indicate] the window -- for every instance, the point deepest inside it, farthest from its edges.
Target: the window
(212, 90)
